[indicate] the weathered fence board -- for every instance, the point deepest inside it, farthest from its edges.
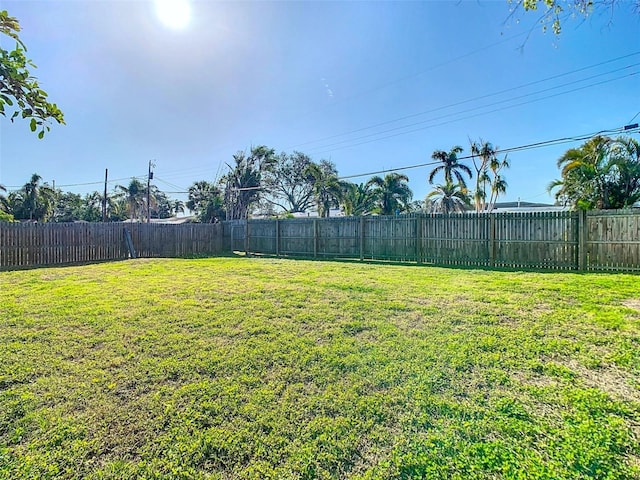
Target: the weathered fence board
(600, 240)
(24, 245)
(540, 240)
(613, 240)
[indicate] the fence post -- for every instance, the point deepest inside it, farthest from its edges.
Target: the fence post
(246, 237)
(129, 241)
(315, 238)
(582, 240)
(277, 237)
(419, 228)
(492, 239)
(362, 238)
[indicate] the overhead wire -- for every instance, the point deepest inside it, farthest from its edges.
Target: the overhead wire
(462, 102)
(328, 149)
(529, 146)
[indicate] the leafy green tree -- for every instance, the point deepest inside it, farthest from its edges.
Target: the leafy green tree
(206, 202)
(68, 207)
(5, 216)
(160, 203)
(18, 88)
(286, 184)
(392, 193)
(327, 188)
(450, 166)
(92, 207)
(557, 12)
(447, 198)
(243, 183)
(357, 199)
(3, 199)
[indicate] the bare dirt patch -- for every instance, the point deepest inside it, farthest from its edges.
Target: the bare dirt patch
(633, 303)
(609, 379)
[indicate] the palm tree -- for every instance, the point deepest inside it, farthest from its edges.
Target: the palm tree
(625, 158)
(357, 199)
(451, 167)
(585, 173)
(392, 193)
(3, 200)
(448, 198)
(37, 199)
(481, 156)
(243, 183)
(327, 188)
(205, 200)
(134, 196)
(177, 207)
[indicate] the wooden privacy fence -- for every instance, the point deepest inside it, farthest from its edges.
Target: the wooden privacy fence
(603, 240)
(25, 245)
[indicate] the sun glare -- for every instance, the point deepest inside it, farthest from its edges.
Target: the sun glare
(174, 14)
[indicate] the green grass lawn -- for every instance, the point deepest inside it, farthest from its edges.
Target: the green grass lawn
(263, 368)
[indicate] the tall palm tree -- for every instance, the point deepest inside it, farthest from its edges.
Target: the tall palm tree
(392, 193)
(31, 190)
(38, 199)
(481, 155)
(450, 166)
(134, 196)
(448, 198)
(327, 188)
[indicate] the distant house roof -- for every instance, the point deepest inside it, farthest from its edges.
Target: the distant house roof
(527, 207)
(170, 221)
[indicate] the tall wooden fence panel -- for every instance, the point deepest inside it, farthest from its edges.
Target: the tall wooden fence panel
(456, 239)
(547, 240)
(24, 245)
(601, 240)
(391, 238)
(158, 240)
(543, 240)
(613, 240)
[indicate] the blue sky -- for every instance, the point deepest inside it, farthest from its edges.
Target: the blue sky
(331, 79)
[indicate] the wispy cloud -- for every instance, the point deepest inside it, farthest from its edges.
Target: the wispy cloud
(327, 88)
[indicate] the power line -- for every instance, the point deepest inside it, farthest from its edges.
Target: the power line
(322, 151)
(486, 106)
(529, 146)
(481, 97)
(84, 184)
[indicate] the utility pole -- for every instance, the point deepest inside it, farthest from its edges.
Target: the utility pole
(104, 197)
(149, 177)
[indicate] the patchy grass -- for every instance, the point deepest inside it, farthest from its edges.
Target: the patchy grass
(265, 368)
